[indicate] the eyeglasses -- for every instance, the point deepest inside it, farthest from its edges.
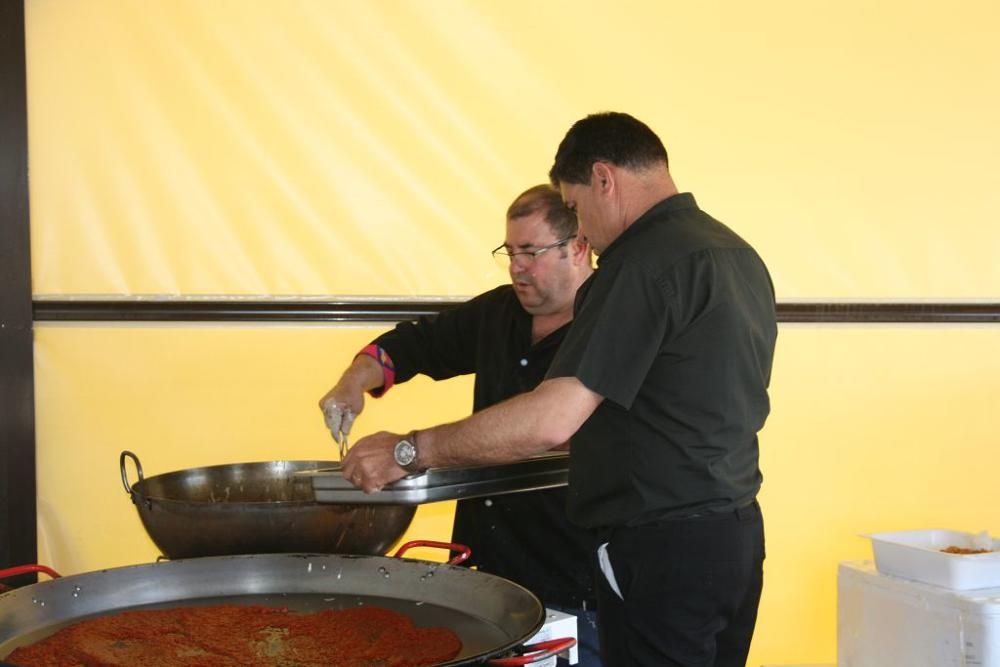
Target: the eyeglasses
(503, 256)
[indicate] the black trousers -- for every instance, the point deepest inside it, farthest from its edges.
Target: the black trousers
(689, 591)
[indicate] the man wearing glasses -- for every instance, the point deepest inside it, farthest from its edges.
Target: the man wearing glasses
(507, 337)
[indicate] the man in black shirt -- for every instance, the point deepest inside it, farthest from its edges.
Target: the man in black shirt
(661, 382)
(507, 337)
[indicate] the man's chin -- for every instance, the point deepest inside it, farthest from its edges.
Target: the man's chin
(530, 304)
(525, 292)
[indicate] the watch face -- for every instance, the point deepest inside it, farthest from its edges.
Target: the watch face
(405, 453)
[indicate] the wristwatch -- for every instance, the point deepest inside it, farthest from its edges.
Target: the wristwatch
(405, 453)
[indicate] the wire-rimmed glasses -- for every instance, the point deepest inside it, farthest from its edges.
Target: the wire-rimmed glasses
(504, 256)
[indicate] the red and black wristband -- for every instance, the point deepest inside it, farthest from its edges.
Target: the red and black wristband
(385, 362)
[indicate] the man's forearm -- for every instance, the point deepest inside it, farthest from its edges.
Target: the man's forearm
(512, 430)
(364, 373)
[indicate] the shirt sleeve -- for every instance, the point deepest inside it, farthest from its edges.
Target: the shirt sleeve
(621, 318)
(440, 346)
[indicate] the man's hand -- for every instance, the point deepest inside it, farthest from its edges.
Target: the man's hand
(342, 404)
(370, 463)
(339, 412)
(339, 415)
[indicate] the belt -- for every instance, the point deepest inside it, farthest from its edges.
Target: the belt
(742, 512)
(745, 511)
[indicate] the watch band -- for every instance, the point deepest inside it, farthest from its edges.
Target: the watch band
(414, 465)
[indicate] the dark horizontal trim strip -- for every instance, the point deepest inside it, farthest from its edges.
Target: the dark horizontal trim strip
(266, 310)
(891, 313)
(222, 310)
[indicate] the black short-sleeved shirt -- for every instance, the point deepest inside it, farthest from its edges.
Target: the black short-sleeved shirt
(524, 537)
(676, 330)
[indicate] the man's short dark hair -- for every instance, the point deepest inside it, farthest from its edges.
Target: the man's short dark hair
(612, 137)
(560, 219)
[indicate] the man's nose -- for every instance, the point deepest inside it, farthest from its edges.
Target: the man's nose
(520, 262)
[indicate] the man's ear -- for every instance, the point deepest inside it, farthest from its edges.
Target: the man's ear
(580, 248)
(602, 178)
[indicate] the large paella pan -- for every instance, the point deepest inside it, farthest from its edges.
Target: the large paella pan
(491, 616)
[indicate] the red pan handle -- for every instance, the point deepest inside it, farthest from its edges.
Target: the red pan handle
(535, 652)
(464, 551)
(26, 569)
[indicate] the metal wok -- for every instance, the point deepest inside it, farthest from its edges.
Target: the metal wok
(491, 615)
(254, 508)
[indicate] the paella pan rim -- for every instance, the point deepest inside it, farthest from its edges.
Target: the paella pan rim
(494, 615)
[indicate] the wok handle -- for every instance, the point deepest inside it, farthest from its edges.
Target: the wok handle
(26, 569)
(464, 551)
(138, 468)
(535, 652)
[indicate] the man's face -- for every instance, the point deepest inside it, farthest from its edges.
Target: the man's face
(589, 213)
(544, 284)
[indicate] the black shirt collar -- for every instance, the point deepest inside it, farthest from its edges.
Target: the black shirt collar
(662, 209)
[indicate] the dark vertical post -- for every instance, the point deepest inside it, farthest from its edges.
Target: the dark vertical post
(18, 542)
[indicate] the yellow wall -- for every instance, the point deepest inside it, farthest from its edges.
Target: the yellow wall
(247, 147)
(333, 147)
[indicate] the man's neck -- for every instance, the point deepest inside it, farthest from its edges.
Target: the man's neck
(543, 325)
(646, 190)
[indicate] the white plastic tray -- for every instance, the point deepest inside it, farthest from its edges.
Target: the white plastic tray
(916, 554)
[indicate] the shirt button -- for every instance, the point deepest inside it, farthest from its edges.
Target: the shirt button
(524, 362)
(488, 502)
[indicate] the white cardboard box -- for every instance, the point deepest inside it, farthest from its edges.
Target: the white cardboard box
(887, 621)
(557, 626)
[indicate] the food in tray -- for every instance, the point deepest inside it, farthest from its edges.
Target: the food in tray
(244, 636)
(965, 552)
